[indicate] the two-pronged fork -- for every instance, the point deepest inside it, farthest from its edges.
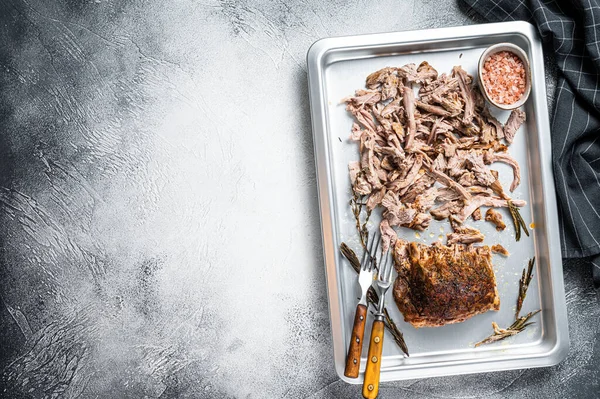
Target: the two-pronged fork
(384, 280)
(365, 279)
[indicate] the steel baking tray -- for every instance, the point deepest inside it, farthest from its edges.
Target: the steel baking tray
(338, 66)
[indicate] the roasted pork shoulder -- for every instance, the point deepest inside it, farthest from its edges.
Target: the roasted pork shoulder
(439, 285)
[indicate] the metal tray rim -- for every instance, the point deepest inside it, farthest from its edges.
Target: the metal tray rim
(558, 349)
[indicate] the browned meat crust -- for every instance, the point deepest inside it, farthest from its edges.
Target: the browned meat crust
(495, 217)
(499, 249)
(439, 285)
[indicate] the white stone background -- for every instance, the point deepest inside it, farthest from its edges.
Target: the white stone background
(160, 229)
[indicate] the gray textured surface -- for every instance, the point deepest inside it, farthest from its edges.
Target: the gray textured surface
(160, 233)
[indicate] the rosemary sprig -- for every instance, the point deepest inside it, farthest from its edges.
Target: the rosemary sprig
(524, 284)
(517, 220)
(520, 322)
(499, 333)
(373, 300)
(364, 232)
(356, 204)
(396, 333)
(356, 207)
(351, 256)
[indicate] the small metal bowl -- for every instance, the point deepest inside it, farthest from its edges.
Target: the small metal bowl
(516, 50)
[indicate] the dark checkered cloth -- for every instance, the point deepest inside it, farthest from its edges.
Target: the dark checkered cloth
(573, 30)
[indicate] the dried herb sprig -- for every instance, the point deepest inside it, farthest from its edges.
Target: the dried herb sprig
(396, 333)
(351, 256)
(356, 207)
(499, 333)
(520, 322)
(373, 300)
(524, 284)
(356, 204)
(364, 231)
(517, 220)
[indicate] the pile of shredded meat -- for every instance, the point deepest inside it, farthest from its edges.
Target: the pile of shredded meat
(446, 134)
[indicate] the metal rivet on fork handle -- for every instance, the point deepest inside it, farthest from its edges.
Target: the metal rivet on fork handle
(365, 280)
(373, 369)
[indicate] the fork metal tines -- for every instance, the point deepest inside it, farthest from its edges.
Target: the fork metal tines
(365, 278)
(384, 278)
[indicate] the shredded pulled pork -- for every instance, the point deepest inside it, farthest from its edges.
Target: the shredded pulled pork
(499, 249)
(445, 135)
(515, 120)
(496, 218)
(465, 235)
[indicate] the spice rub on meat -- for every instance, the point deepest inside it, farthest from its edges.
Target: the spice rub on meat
(428, 156)
(439, 285)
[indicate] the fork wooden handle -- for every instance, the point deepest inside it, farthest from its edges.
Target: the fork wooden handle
(356, 342)
(371, 383)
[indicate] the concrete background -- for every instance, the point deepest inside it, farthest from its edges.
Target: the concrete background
(159, 223)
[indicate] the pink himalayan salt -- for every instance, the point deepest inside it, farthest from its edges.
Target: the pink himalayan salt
(504, 77)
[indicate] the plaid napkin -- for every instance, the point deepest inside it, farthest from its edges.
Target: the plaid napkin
(573, 30)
